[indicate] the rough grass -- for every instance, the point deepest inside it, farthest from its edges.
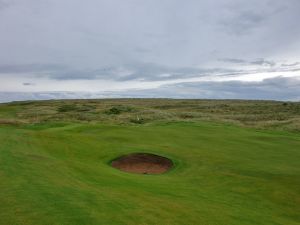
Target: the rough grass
(258, 114)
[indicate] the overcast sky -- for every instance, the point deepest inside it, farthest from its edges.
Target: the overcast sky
(150, 48)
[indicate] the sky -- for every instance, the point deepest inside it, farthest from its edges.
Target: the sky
(223, 49)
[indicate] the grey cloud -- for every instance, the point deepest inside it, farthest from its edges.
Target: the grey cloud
(143, 71)
(144, 40)
(291, 65)
(170, 33)
(23, 96)
(30, 68)
(245, 18)
(73, 75)
(230, 60)
(258, 62)
(243, 22)
(263, 62)
(5, 3)
(139, 71)
(136, 71)
(295, 70)
(142, 50)
(278, 88)
(263, 65)
(28, 84)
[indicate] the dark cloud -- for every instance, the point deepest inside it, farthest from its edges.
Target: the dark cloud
(258, 62)
(243, 22)
(263, 62)
(140, 71)
(278, 88)
(28, 84)
(137, 71)
(237, 61)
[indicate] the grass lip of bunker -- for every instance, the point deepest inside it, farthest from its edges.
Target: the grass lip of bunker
(142, 163)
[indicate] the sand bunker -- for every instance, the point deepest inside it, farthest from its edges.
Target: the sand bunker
(142, 163)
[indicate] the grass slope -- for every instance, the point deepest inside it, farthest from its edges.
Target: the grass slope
(58, 173)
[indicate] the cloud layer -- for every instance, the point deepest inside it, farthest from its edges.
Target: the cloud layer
(112, 45)
(278, 88)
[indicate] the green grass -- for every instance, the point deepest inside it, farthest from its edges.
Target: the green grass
(59, 173)
(236, 162)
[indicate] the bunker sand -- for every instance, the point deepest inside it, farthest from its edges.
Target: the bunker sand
(143, 163)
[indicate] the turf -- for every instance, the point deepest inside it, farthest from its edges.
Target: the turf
(60, 173)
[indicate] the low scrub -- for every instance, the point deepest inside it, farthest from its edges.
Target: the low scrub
(138, 120)
(67, 108)
(119, 109)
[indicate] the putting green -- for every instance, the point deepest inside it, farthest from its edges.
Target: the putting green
(61, 174)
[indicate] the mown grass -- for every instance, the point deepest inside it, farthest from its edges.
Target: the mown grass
(54, 168)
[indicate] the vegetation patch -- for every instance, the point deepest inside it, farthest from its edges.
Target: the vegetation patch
(259, 114)
(138, 120)
(67, 108)
(10, 122)
(86, 108)
(115, 110)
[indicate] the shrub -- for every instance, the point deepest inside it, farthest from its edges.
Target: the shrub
(186, 116)
(86, 108)
(119, 109)
(137, 120)
(67, 108)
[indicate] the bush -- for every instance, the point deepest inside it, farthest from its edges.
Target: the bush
(137, 120)
(119, 109)
(67, 108)
(86, 108)
(186, 116)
